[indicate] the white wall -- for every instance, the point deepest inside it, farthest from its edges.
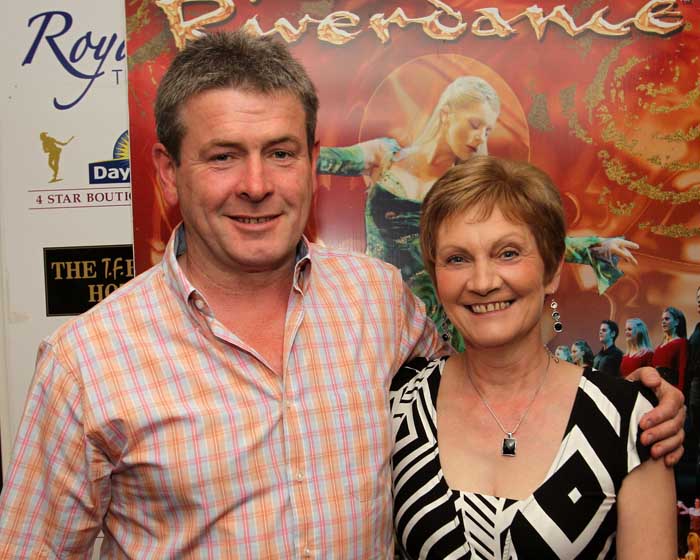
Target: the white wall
(30, 93)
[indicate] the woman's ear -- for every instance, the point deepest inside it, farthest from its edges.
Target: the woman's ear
(553, 285)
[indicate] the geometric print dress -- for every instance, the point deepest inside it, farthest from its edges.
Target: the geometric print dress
(572, 514)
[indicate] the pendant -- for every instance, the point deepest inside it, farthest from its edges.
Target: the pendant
(509, 445)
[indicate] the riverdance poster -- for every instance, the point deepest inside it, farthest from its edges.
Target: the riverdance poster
(604, 96)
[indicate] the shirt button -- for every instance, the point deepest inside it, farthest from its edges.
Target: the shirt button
(307, 553)
(199, 304)
(300, 477)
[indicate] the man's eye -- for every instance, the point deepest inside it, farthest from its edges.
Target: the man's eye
(221, 157)
(281, 154)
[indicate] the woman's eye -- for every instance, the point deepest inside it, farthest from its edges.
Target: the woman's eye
(509, 254)
(455, 259)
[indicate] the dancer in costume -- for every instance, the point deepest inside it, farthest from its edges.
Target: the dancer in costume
(639, 349)
(400, 177)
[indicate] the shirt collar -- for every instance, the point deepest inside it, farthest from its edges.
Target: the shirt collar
(175, 276)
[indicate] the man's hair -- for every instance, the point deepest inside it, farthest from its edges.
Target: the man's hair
(236, 60)
(522, 192)
(612, 325)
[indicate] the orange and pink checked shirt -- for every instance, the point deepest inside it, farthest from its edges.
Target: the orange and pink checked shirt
(150, 420)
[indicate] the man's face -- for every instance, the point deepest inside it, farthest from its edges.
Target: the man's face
(605, 335)
(245, 180)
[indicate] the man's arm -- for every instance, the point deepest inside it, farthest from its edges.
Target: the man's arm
(646, 513)
(663, 425)
(419, 337)
(52, 503)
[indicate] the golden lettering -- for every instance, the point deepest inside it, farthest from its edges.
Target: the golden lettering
(431, 24)
(184, 31)
(499, 26)
(649, 18)
(329, 28)
(282, 26)
(657, 16)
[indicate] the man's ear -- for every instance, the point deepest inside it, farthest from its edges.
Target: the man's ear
(553, 285)
(166, 172)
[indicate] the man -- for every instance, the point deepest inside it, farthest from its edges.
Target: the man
(609, 358)
(232, 401)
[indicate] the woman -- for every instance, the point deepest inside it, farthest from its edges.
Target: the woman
(582, 353)
(562, 352)
(639, 350)
(671, 356)
(400, 177)
(570, 479)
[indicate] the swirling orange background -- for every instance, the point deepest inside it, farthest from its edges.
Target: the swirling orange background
(614, 120)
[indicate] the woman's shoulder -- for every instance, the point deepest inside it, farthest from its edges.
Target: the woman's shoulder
(622, 394)
(416, 370)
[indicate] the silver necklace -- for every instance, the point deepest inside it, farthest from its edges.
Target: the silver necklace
(510, 444)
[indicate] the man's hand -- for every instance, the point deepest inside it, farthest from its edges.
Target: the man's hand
(663, 425)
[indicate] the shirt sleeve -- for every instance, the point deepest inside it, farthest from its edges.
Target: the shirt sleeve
(53, 502)
(579, 251)
(419, 337)
(637, 453)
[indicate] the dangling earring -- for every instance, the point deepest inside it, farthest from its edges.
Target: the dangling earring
(445, 327)
(556, 325)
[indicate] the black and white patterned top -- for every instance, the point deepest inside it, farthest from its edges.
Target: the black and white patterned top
(572, 514)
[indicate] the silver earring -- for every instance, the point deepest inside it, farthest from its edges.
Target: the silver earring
(445, 325)
(556, 325)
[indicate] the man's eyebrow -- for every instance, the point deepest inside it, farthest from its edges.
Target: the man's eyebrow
(222, 143)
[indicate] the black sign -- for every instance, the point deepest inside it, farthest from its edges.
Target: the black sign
(77, 278)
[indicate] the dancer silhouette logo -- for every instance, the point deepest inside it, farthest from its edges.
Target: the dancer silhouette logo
(53, 148)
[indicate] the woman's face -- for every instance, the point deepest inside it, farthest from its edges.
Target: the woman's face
(467, 129)
(668, 323)
(490, 279)
(629, 331)
(576, 354)
(562, 353)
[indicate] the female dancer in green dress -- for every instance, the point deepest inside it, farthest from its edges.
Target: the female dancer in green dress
(400, 177)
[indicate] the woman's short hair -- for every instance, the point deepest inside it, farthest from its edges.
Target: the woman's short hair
(640, 337)
(522, 192)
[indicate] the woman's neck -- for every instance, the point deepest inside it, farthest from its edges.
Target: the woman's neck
(505, 373)
(670, 337)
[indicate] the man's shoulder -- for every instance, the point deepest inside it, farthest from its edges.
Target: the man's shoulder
(116, 309)
(343, 260)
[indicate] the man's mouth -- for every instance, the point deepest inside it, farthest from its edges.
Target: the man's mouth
(479, 308)
(261, 220)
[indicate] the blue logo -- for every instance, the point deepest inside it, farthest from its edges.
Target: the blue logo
(114, 170)
(87, 50)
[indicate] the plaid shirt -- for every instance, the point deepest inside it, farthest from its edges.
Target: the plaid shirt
(150, 420)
